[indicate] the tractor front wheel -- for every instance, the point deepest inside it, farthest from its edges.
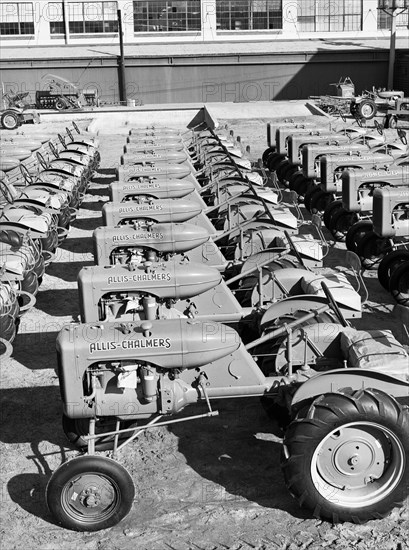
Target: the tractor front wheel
(10, 120)
(90, 493)
(347, 457)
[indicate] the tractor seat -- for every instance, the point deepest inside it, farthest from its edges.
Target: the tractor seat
(377, 350)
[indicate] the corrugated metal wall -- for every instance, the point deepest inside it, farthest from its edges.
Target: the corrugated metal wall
(401, 80)
(234, 78)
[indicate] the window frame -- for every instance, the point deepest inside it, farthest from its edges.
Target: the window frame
(167, 9)
(19, 21)
(329, 17)
(84, 24)
(250, 17)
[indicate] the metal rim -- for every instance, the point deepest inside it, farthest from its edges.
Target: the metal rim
(9, 121)
(90, 498)
(367, 110)
(358, 464)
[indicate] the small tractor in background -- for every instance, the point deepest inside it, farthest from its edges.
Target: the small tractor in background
(363, 107)
(61, 94)
(16, 110)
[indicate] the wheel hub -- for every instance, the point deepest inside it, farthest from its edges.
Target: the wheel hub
(90, 497)
(348, 459)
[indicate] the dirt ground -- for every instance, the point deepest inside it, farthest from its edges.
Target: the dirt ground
(212, 484)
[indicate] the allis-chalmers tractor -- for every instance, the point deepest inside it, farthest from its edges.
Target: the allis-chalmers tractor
(144, 351)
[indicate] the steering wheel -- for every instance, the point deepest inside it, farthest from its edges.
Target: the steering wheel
(5, 191)
(334, 306)
(358, 121)
(62, 141)
(74, 124)
(379, 127)
(42, 160)
(342, 115)
(69, 134)
(54, 149)
(27, 177)
(402, 136)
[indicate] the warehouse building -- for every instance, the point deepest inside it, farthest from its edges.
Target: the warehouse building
(201, 50)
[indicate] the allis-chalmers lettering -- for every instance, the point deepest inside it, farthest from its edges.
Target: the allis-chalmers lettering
(137, 236)
(138, 208)
(139, 277)
(141, 186)
(147, 343)
(380, 173)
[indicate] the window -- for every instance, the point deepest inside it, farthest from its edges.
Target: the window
(385, 20)
(16, 19)
(84, 17)
(330, 15)
(168, 16)
(237, 15)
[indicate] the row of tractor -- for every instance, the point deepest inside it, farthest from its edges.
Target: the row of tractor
(358, 182)
(208, 285)
(41, 188)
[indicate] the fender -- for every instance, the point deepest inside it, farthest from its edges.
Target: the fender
(357, 379)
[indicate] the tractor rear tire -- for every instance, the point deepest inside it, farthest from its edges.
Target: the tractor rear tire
(366, 109)
(341, 222)
(399, 284)
(346, 458)
(388, 265)
(274, 160)
(330, 211)
(371, 249)
(264, 158)
(356, 233)
(90, 493)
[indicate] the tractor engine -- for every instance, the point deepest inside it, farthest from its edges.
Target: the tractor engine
(142, 291)
(134, 370)
(145, 242)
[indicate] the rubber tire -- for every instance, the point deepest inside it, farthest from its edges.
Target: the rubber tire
(326, 414)
(15, 120)
(393, 122)
(356, 233)
(399, 278)
(365, 249)
(75, 430)
(361, 106)
(274, 160)
(266, 155)
(70, 471)
(389, 263)
(330, 211)
(281, 168)
(341, 222)
(320, 201)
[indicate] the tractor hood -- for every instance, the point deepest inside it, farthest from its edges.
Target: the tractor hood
(167, 238)
(171, 279)
(170, 344)
(160, 210)
(161, 170)
(160, 157)
(146, 149)
(159, 189)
